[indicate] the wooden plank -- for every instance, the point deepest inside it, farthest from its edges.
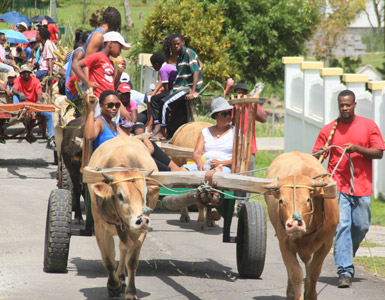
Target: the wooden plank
(245, 100)
(176, 151)
(229, 182)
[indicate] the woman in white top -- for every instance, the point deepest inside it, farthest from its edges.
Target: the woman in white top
(214, 149)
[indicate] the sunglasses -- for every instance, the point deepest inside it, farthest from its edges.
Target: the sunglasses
(112, 104)
(225, 113)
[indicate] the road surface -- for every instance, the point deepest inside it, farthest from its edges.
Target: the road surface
(176, 262)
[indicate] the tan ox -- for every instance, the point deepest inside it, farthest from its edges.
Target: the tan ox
(121, 206)
(187, 136)
(304, 213)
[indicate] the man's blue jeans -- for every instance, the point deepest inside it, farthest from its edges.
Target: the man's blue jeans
(47, 115)
(353, 225)
(40, 74)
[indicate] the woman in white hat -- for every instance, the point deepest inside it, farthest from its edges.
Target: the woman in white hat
(214, 149)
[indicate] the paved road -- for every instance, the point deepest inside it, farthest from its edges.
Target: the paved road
(176, 261)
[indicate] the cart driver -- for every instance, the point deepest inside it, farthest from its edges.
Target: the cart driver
(27, 88)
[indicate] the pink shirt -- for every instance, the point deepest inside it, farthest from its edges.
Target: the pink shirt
(2, 53)
(48, 49)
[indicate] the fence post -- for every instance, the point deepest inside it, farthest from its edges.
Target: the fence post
(378, 91)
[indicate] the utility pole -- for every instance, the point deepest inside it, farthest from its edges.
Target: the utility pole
(52, 9)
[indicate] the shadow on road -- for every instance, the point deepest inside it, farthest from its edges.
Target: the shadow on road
(164, 269)
(269, 298)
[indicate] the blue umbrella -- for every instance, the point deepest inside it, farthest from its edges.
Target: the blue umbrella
(14, 18)
(15, 37)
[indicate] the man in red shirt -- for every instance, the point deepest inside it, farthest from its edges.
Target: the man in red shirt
(362, 141)
(241, 89)
(54, 32)
(28, 89)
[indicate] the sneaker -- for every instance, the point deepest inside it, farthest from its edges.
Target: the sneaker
(344, 281)
(51, 143)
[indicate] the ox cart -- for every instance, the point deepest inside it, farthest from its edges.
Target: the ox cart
(10, 113)
(251, 232)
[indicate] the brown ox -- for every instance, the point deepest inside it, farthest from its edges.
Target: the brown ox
(187, 136)
(120, 207)
(303, 209)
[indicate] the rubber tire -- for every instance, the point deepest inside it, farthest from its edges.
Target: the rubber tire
(57, 231)
(55, 159)
(66, 182)
(251, 240)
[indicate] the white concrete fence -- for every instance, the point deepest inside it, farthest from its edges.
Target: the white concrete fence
(311, 102)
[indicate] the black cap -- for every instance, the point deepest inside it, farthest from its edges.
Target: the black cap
(240, 86)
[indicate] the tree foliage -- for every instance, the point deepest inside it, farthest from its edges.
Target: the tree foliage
(202, 26)
(243, 39)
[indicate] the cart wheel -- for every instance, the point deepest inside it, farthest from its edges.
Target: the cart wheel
(251, 240)
(57, 231)
(66, 182)
(55, 159)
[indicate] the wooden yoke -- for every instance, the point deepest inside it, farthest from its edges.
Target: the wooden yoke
(243, 142)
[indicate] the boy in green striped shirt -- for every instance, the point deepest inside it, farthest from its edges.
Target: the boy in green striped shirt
(187, 84)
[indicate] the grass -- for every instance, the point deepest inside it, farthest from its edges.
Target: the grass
(375, 265)
(377, 208)
(261, 129)
(72, 12)
(374, 59)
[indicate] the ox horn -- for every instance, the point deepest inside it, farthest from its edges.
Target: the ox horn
(147, 173)
(108, 177)
(319, 184)
(271, 186)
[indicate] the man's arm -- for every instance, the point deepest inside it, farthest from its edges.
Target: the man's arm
(372, 153)
(39, 98)
(77, 68)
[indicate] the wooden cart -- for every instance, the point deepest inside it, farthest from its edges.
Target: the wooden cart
(251, 231)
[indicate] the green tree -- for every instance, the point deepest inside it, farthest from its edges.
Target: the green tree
(235, 38)
(202, 26)
(262, 32)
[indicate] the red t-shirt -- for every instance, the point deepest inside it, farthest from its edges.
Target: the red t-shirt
(101, 71)
(52, 31)
(362, 132)
(30, 88)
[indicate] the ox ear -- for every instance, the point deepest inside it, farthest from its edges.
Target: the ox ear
(104, 200)
(102, 190)
(330, 191)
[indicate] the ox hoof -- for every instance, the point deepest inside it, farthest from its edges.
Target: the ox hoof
(114, 293)
(132, 298)
(201, 227)
(185, 219)
(215, 216)
(210, 223)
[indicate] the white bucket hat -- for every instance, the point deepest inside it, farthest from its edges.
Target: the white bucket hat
(113, 36)
(219, 104)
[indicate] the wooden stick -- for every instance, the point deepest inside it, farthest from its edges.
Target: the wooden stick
(192, 179)
(322, 156)
(236, 139)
